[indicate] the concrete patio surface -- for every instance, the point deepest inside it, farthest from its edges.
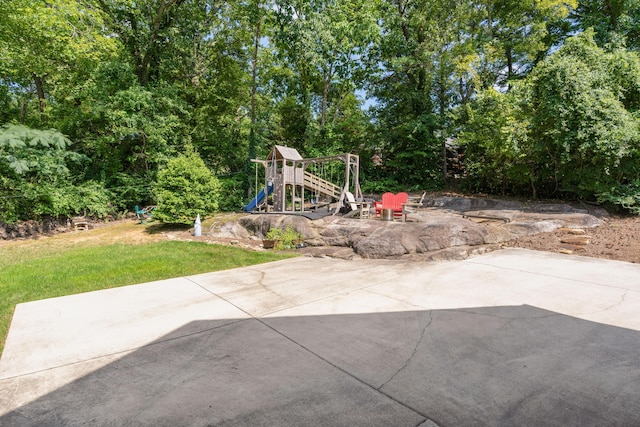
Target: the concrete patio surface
(510, 338)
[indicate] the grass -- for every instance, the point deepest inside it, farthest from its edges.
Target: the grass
(53, 267)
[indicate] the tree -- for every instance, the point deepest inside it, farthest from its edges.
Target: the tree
(325, 43)
(47, 48)
(519, 32)
(579, 116)
(185, 188)
(406, 114)
(570, 127)
(612, 20)
(36, 177)
(497, 147)
(145, 28)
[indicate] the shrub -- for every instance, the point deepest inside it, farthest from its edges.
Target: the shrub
(626, 196)
(35, 179)
(88, 198)
(285, 239)
(232, 195)
(185, 188)
(382, 185)
(131, 190)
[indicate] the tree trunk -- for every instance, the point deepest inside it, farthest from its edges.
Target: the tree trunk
(254, 91)
(442, 99)
(254, 88)
(326, 85)
(509, 56)
(40, 91)
(23, 110)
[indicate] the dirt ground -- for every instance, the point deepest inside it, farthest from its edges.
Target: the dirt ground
(618, 238)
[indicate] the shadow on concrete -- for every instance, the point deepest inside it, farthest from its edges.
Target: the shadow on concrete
(498, 366)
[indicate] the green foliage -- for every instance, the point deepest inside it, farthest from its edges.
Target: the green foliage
(130, 190)
(142, 130)
(382, 186)
(133, 83)
(47, 49)
(185, 188)
(35, 154)
(614, 21)
(516, 34)
(89, 198)
(625, 196)
(10, 202)
(284, 239)
(231, 194)
(570, 128)
(37, 180)
(580, 120)
(496, 144)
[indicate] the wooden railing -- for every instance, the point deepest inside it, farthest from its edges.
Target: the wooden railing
(317, 184)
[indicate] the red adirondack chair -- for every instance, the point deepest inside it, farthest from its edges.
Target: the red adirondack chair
(393, 202)
(401, 198)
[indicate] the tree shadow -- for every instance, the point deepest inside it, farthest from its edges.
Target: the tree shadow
(161, 227)
(499, 366)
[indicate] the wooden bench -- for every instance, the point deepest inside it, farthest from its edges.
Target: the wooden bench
(80, 223)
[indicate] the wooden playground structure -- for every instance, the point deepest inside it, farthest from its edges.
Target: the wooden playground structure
(296, 185)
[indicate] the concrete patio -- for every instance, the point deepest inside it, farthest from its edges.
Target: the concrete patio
(513, 337)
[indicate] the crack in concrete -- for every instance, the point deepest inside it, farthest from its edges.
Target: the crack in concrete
(364, 288)
(264, 323)
(413, 353)
(351, 375)
(391, 297)
(616, 304)
(539, 273)
(263, 274)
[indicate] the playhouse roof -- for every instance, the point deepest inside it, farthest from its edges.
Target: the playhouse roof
(287, 153)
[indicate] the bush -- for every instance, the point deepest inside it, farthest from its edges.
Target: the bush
(232, 195)
(381, 186)
(130, 190)
(626, 196)
(89, 198)
(285, 239)
(569, 128)
(185, 188)
(35, 179)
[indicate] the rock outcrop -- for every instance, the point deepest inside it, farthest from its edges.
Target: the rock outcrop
(30, 229)
(446, 228)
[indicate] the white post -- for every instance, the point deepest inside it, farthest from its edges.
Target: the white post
(197, 227)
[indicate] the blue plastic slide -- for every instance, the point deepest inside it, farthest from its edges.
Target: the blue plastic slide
(258, 199)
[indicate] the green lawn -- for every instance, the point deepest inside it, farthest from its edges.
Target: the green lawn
(31, 273)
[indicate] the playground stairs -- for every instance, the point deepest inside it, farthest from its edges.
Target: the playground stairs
(315, 183)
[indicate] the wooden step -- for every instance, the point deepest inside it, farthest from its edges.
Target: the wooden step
(575, 240)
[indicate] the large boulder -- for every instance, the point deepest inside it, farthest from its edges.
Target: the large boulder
(447, 228)
(398, 238)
